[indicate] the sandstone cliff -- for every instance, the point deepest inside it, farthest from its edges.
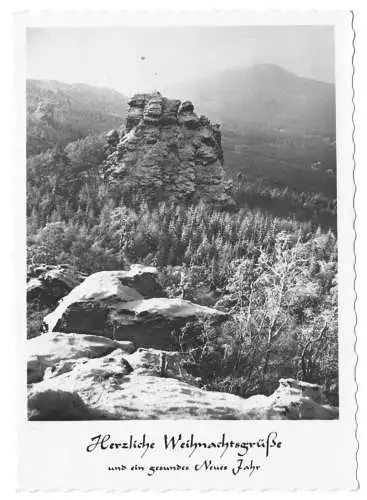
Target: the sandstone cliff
(167, 152)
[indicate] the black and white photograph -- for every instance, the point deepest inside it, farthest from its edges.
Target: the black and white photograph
(189, 250)
(182, 223)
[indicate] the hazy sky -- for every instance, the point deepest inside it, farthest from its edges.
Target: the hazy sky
(112, 57)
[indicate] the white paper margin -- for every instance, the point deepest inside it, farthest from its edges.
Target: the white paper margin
(315, 454)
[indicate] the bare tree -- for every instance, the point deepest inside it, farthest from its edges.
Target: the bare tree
(307, 359)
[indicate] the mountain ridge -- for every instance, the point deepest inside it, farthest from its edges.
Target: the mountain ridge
(265, 94)
(59, 113)
(268, 130)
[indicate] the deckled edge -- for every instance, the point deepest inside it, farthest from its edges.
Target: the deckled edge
(354, 250)
(238, 490)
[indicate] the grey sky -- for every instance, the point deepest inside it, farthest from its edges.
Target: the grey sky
(112, 57)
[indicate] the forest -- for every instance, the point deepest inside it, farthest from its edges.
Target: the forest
(270, 262)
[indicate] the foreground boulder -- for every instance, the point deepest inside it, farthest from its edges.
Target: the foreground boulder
(150, 397)
(58, 405)
(57, 352)
(127, 305)
(301, 400)
(153, 384)
(48, 284)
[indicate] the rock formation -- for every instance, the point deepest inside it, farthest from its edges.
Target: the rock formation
(166, 153)
(109, 354)
(48, 284)
(58, 352)
(147, 384)
(127, 305)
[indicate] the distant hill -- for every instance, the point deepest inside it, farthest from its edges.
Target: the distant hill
(275, 125)
(58, 113)
(265, 96)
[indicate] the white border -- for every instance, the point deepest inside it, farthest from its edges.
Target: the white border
(340, 471)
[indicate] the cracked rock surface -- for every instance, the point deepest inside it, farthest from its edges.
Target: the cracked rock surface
(167, 152)
(145, 384)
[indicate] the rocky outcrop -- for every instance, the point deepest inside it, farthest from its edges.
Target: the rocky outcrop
(110, 354)
(150, 384)
(167, 152)
(127, 305)
(48, 284)
(158, 363)
(301, 400)
(55, 353)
